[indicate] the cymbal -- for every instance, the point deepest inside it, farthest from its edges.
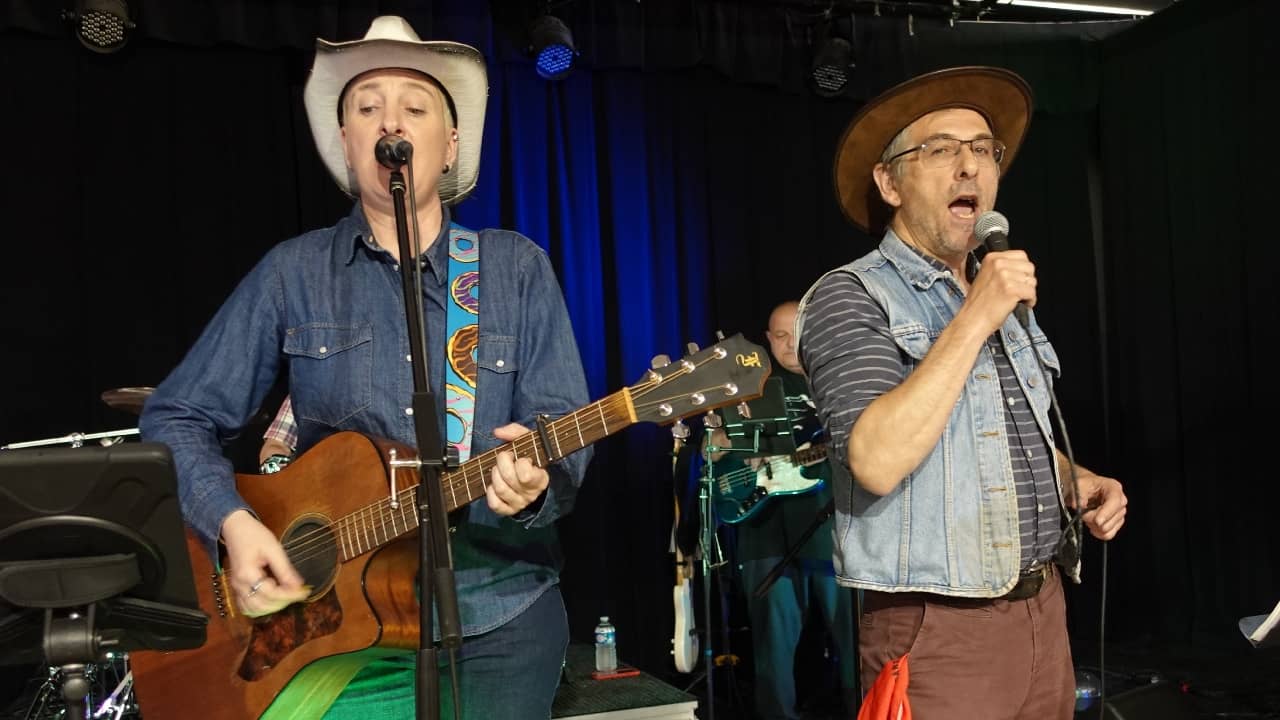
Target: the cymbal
(129, 399)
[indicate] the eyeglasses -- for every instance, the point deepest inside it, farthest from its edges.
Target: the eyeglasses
(942, 151)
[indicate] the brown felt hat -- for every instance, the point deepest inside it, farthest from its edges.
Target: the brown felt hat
(999, 95)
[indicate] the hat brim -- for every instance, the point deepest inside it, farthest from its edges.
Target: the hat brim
(999, 95)
(458, 68)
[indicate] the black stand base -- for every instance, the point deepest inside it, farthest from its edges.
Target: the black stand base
(75, 687)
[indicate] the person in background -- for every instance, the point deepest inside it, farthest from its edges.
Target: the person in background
(767, 534)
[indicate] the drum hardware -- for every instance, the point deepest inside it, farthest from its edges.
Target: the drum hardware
(116, 704)
(76, 439)
(129, 399)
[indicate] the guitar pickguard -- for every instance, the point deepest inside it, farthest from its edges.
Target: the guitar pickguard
(275, 636)
(740, 494)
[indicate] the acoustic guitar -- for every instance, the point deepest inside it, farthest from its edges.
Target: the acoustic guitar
(346, 520)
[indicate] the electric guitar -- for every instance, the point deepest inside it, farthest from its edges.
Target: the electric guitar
(739, 494)
(684, 640)
(345, 517)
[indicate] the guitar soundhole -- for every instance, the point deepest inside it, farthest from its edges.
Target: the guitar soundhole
(312, 547)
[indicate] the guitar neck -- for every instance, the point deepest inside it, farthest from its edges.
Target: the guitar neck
(375, 525)
(810, 454)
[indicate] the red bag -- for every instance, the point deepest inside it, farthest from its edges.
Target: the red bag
(887, 698)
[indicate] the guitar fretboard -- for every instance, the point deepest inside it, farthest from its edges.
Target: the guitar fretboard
(375, 525)
(810, 454)
(732, 370)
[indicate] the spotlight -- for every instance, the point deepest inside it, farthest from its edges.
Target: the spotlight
(831, 65)
(101, 25)
(551, 44)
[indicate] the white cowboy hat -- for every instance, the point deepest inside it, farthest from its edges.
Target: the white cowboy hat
(392, 43)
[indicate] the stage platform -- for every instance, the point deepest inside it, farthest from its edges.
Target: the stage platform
(643, 697)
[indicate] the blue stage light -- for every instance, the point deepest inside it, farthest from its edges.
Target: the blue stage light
(552, 46)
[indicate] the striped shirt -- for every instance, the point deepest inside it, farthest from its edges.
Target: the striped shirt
(851, 359)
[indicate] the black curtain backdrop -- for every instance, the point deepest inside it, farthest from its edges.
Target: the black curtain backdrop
(680, 180)
(1188, 252)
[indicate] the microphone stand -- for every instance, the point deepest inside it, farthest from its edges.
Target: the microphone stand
(437, 585)
(709, 546)
(776, 572)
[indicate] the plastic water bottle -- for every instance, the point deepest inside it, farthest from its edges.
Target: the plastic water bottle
(606, 646)
(1087, 689)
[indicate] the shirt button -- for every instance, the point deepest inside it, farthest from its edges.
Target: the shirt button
(408, 411)
(1039, 507)
(408, 358)
(1011, 401)
(1028, 454)
(1032, 381)
(395, 266)
(323, 349)
(500, 363)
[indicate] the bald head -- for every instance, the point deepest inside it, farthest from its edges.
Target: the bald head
(781, 342)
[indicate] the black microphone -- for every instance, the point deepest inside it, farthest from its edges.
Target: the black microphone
(992, 229)
(393, 151)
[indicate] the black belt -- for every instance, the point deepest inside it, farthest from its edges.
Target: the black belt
(1029, 583)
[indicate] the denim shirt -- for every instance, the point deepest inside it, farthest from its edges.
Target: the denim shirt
(951, 526)
(327, 309)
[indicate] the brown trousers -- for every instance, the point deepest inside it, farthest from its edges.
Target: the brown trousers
(974, 659)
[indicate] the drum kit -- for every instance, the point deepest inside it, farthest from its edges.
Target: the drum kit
(110, 680)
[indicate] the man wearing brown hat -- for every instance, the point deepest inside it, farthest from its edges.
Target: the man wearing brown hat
(937, 401)
(326, 308)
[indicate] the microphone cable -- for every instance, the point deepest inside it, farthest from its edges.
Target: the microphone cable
(1074, 533)
(992, 230)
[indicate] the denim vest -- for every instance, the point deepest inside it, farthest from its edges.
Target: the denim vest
(950, 527)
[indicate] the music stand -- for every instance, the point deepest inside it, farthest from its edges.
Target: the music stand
(92, 541)
(761, 428)
(757, 428)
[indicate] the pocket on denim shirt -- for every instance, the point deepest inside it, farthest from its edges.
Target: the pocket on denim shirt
(331, 371)
(498, 354)
(915, 340)
(498, 360)
(1020, 351)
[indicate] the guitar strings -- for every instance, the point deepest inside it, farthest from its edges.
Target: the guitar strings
(372, 520)
(326, 537)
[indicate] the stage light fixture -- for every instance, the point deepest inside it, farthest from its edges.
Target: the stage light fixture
(1084, 7)
(832, 64)
(102, 26)
(551, 44)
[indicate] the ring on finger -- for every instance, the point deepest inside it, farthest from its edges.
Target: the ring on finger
(253, 589)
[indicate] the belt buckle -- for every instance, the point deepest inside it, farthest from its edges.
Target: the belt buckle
(1029, 584)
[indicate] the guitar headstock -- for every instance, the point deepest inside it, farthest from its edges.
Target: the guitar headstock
(728, 372)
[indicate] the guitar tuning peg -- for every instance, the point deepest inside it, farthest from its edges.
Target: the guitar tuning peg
(659, 361)
(719, 336)
(692, 347)
(680, 431)
(712, 420)
(744, 410)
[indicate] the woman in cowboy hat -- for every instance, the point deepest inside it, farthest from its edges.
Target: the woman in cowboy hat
(327, 308)
(937, 401)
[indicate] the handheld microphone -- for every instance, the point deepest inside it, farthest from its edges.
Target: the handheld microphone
(992, 229)
(393, 151)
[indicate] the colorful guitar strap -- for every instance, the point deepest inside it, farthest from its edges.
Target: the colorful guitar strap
(462, 322)
(315, 689)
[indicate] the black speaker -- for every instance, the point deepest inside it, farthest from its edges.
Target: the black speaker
(1158, 701)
